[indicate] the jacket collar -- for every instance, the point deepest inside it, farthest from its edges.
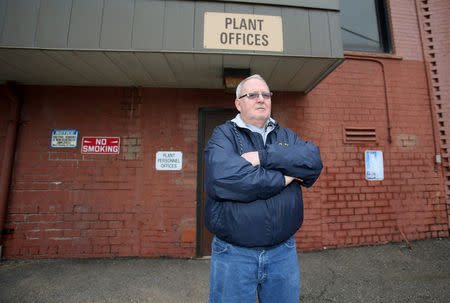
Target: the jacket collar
(238, 121)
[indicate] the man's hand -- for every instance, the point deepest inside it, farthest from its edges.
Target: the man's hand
(289, 179)
(252, 157)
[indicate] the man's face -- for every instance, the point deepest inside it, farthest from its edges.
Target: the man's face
(254, 111)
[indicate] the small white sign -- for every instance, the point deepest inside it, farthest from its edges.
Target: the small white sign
(374, 165)
(169, 160)
(64, 138)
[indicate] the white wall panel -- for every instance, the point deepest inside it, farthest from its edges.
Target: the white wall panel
(53, 23)
(148, 24)
(20, 23)
(117, 23)
(85, 24)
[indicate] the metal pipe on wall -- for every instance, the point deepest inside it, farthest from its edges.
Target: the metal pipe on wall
(388, 121)
(9, 150)
(386, 95)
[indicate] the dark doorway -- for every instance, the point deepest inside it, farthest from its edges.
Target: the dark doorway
(209, 118)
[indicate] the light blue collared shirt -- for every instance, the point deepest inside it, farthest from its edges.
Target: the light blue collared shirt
(270, 126)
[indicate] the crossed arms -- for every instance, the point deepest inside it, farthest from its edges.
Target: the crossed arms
(258, 174)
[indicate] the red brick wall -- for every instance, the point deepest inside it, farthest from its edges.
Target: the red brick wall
(65, 204)
(405, 29)
(4, 112)
(347, 209)
(438, 26)
(440, 23)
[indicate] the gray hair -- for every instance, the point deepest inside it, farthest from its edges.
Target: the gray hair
(239, 87)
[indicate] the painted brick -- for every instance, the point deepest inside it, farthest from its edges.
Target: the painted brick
(119, 205)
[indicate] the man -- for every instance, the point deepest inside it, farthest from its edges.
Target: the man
(254, 169)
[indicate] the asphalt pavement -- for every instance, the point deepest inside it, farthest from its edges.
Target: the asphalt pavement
(382, 273)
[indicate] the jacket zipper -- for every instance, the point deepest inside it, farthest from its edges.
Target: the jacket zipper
(258, 142)
(272, 205)
(257, 138)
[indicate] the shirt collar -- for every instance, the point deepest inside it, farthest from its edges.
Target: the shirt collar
(238, 120)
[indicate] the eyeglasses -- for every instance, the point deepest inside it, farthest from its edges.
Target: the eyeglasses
(255, 95)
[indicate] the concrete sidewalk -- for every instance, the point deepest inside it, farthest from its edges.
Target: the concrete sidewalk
(385, 273)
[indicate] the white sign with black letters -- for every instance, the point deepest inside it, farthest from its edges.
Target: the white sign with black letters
(243, 32)
(169, 160)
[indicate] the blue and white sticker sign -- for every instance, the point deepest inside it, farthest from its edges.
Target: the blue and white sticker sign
(64, 138)
(374, 165)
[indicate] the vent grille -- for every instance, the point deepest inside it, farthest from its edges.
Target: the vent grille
(360, 134)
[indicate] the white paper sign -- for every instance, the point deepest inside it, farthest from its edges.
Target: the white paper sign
(169, 160)
(374, 165)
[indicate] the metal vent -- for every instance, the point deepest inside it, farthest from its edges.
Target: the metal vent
(360, 135)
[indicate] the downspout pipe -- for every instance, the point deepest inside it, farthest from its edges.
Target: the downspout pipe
(14, 102)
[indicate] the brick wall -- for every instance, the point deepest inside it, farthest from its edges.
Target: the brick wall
(405, 29)
(346, 209)
(4, 112)
(65, 204)
(440, 23)
(438, 26)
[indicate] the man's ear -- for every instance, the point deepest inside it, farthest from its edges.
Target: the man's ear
(237, 104)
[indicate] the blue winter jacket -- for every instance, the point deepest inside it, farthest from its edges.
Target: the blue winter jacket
(250, 206)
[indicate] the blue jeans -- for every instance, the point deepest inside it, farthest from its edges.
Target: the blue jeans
(238, 274)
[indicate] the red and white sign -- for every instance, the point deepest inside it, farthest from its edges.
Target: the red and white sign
(100, 145)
